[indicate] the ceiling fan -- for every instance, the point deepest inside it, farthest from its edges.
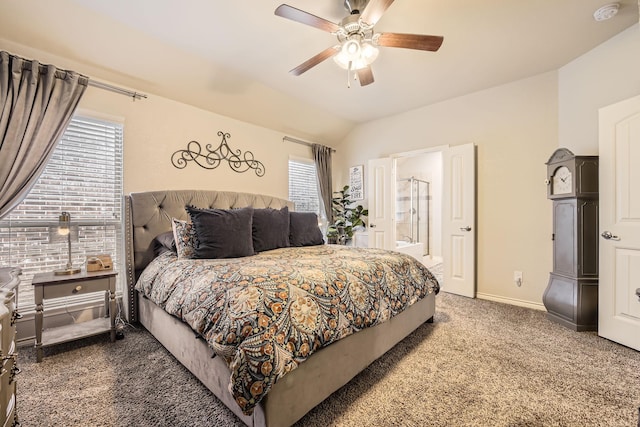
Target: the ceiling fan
(357, 41)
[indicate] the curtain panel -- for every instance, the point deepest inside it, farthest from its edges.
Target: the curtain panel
(37, 102)
(322, 158)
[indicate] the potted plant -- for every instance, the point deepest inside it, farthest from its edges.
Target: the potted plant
(345, 217)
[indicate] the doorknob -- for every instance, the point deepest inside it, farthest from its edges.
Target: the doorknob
(638, 294)
(608, 236)
(467, 228)
(372, 226)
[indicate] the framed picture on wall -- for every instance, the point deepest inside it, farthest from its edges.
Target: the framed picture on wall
(356, 182)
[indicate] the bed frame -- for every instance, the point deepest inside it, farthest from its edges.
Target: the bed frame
(148, 215)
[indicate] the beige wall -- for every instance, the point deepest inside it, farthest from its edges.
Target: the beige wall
(605, 75)
(515, 129)
(156, 127)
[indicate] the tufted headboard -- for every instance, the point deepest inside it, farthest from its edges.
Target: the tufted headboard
(149, 214)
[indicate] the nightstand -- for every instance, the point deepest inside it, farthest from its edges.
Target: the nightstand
(48, 285)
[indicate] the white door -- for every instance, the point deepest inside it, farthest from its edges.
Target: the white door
(619, 305)
(381, 205)
(459, 220)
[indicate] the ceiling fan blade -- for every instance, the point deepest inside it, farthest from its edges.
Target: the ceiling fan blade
(365, 75)
(312, 62)
(290, 12)
(374, 10)
(410, 41)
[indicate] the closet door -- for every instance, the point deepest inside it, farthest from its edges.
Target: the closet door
(459, 220)
(619, 285)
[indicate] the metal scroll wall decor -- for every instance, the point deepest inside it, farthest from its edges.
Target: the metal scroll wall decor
(212, 158)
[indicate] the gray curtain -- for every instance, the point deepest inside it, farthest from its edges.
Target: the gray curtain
(322, 157)
(36, 105)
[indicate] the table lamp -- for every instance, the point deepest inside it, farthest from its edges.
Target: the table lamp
(64, 232)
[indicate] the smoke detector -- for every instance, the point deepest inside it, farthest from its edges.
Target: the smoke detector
(607, 11)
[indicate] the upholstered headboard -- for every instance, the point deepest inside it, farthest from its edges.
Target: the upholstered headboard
(149, 214)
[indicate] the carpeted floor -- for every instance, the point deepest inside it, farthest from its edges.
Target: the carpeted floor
(480, 363)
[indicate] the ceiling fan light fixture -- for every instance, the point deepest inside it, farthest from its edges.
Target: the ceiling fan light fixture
(369, 52)
(355, 54)
(358, 43)
(348, 64)
(351, 50)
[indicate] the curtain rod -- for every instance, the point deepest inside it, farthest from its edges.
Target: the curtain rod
(26, 65)
(299, 141)
(116, 89)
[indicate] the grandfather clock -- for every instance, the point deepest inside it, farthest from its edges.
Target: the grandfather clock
(571, 297)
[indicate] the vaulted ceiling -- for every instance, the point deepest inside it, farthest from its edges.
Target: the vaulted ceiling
(233, 57)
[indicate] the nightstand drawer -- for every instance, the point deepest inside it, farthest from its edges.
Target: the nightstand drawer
(61, 290)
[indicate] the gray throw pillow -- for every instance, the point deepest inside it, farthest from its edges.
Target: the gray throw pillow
(304, 230)
(270, 229)
(222, 233)
(164, 242)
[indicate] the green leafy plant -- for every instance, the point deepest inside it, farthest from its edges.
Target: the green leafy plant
(345, 217)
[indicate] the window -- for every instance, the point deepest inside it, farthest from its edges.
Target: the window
(303, 186)
(84, 178)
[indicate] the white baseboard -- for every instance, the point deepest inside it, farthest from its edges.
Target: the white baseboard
(512, 301)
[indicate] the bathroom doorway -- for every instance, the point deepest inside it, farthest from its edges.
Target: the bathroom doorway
(418, 205)
(451, 215)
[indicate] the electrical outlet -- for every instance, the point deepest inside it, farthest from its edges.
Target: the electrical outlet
(517, 278)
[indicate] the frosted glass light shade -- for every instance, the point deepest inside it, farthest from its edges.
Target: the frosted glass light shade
(356, 54)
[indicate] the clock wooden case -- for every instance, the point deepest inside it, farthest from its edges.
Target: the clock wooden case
(571, 297)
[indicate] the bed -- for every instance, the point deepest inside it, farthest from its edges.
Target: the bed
(314, 368)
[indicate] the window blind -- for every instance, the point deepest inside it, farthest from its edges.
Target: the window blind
(303, 186)
(83, 177)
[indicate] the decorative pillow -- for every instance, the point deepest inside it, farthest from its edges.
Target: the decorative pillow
(222, 233)
(164, 242)
(270, 229)
(304, 229)
(184, 236)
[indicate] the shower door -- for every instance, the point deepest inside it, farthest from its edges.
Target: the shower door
(412, 211)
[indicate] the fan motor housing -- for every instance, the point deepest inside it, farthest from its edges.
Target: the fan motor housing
(355, 6)
(351, 24)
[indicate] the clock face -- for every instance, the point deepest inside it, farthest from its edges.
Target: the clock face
(561, 181)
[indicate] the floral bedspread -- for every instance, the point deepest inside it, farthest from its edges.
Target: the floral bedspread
(265, 314)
